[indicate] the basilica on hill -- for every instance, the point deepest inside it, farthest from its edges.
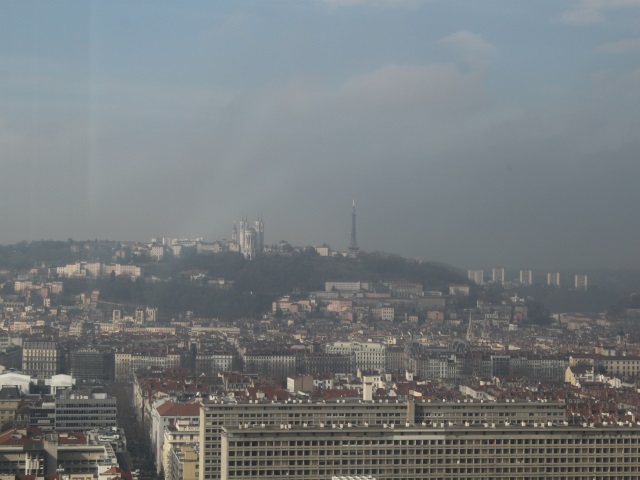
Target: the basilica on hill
(250, 240)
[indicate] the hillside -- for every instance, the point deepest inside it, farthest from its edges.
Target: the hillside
(255, 284)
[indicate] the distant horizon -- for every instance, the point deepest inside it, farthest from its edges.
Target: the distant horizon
(461, 269)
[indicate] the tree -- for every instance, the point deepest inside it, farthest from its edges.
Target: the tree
(537, 314)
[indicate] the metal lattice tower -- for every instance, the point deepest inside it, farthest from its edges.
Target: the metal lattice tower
(353, 246)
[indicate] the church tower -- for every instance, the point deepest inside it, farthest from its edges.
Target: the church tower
(259, 235)
(241, 237)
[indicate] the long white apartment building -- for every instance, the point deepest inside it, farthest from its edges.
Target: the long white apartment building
(388, 452)
(219, 418)
(97, 269)
(346, 287)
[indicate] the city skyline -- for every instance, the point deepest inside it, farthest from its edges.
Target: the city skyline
(465, 139)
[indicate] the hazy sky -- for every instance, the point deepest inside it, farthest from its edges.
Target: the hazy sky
(469, 132)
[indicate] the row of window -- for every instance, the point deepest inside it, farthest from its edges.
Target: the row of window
(546, 445)
(556, 472)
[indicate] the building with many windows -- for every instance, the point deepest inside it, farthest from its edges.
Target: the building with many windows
(502, 451)
(41, 359)
(183, 433)
(210, 362)
(219, 418)
(367, 355)
(127, 363)
(497, 275)
(75, 456)
(91, 364)
(183, 463)
(526, 277)
(75, 413)
(269, 364)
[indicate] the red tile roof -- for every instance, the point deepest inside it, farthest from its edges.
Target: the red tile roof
(170, 409)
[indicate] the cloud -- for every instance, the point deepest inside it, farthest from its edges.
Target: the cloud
(589, 12)
(628, 45)
(403, 137)
(400, 86)
(344, 3)
(377, 3)
(468, 42)
(472, 50)
(422, 147)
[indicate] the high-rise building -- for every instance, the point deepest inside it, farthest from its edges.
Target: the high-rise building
(497, 275)
(581, 282)
(526, 277)
(353, 244)
(553, 279)
(476, 276)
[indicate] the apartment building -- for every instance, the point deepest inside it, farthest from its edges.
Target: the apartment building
(212, 362)
(498, 275)
(328, 363)
(166, 414)
(183, 463)
(96, 270)
(9, 400)
(75, 413)
(214, 415)
(526, 277)
(620, 366)
(184, 432)
(91, 364)
(304, 417)
(127, 363)
(447, 452)
(346, 287)
(275, 365)
(77, 455)
(41, 359)
(368, 356)
(475, 413)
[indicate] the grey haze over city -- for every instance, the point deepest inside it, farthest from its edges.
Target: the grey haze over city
(472, 133)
